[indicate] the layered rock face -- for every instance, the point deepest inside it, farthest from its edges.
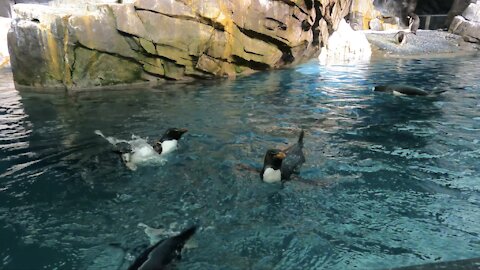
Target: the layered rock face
(468, 24)
(152, 40)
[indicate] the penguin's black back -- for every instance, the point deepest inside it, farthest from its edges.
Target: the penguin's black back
(158, 256)
(295, 158)
(403, 89)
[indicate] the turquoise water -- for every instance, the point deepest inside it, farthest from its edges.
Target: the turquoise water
(388, 182)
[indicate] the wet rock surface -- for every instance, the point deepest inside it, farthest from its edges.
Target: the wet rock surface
(155, 40)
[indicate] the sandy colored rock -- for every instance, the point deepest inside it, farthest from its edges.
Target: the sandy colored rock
(157, 39)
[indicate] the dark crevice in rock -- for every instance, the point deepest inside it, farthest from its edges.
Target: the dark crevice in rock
(218, 58)
(171, 60)
(316, 23)
(136, 46)
(309, 4)
(249, 63)
(287, 56)
(288, 2)
(132, 43)
(199, 18)
(35, 20)
(212, 23)
(254, 53)
(72, 66)
(130, 59)
(182, 17)
(281, 25)
(306, 25)
(328, 17)
(159, 76)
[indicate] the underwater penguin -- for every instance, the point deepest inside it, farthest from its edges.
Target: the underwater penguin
(404, 90)
(161, 254)
(280, 165)
(413, 22)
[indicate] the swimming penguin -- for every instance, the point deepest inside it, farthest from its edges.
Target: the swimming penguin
(413, 22)
(169, 140)
(139, 150)
(160, 255)
(404, 90)
(280, 165)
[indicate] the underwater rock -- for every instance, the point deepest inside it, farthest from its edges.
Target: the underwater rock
(468, 24)
(71, 46)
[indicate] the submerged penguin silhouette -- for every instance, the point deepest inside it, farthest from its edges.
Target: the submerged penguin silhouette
(138, 150)
(405, 90)
(279, 165)
(160, 255)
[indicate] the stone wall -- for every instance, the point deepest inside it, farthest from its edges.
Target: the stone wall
(155, 40)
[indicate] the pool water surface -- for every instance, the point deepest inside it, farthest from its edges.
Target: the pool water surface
(388, 181)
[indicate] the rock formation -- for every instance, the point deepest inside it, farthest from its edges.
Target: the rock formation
(468, 24)
(152, 40)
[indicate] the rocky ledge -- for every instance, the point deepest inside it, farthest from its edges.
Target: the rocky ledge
(154, 40)
(426, 43)
(468, 24)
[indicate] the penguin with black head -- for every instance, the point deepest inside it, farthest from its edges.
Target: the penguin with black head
(413, 22)
(169, 140)
(279, 165)
(163, 253)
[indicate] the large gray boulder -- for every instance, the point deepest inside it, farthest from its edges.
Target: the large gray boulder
(468, 24)
(153, 40)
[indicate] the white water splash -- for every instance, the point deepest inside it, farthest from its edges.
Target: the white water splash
(141, 151)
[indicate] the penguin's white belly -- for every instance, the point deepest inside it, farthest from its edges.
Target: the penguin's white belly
(169, 146)
(396, 93)
(142, 153)
(271, 176)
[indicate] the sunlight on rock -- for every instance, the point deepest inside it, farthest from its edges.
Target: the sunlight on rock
(4, 56)
(346, 46)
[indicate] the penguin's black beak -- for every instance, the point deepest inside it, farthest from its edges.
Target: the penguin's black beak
(280, 155)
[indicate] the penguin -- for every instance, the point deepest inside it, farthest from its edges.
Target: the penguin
(169, 140)
(272, 166)
(138, 150)
(160, 255)
(413, 22)
(279, 165)
(400, 37)
(404, 90)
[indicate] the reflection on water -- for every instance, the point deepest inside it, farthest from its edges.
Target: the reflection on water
(389, 181)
